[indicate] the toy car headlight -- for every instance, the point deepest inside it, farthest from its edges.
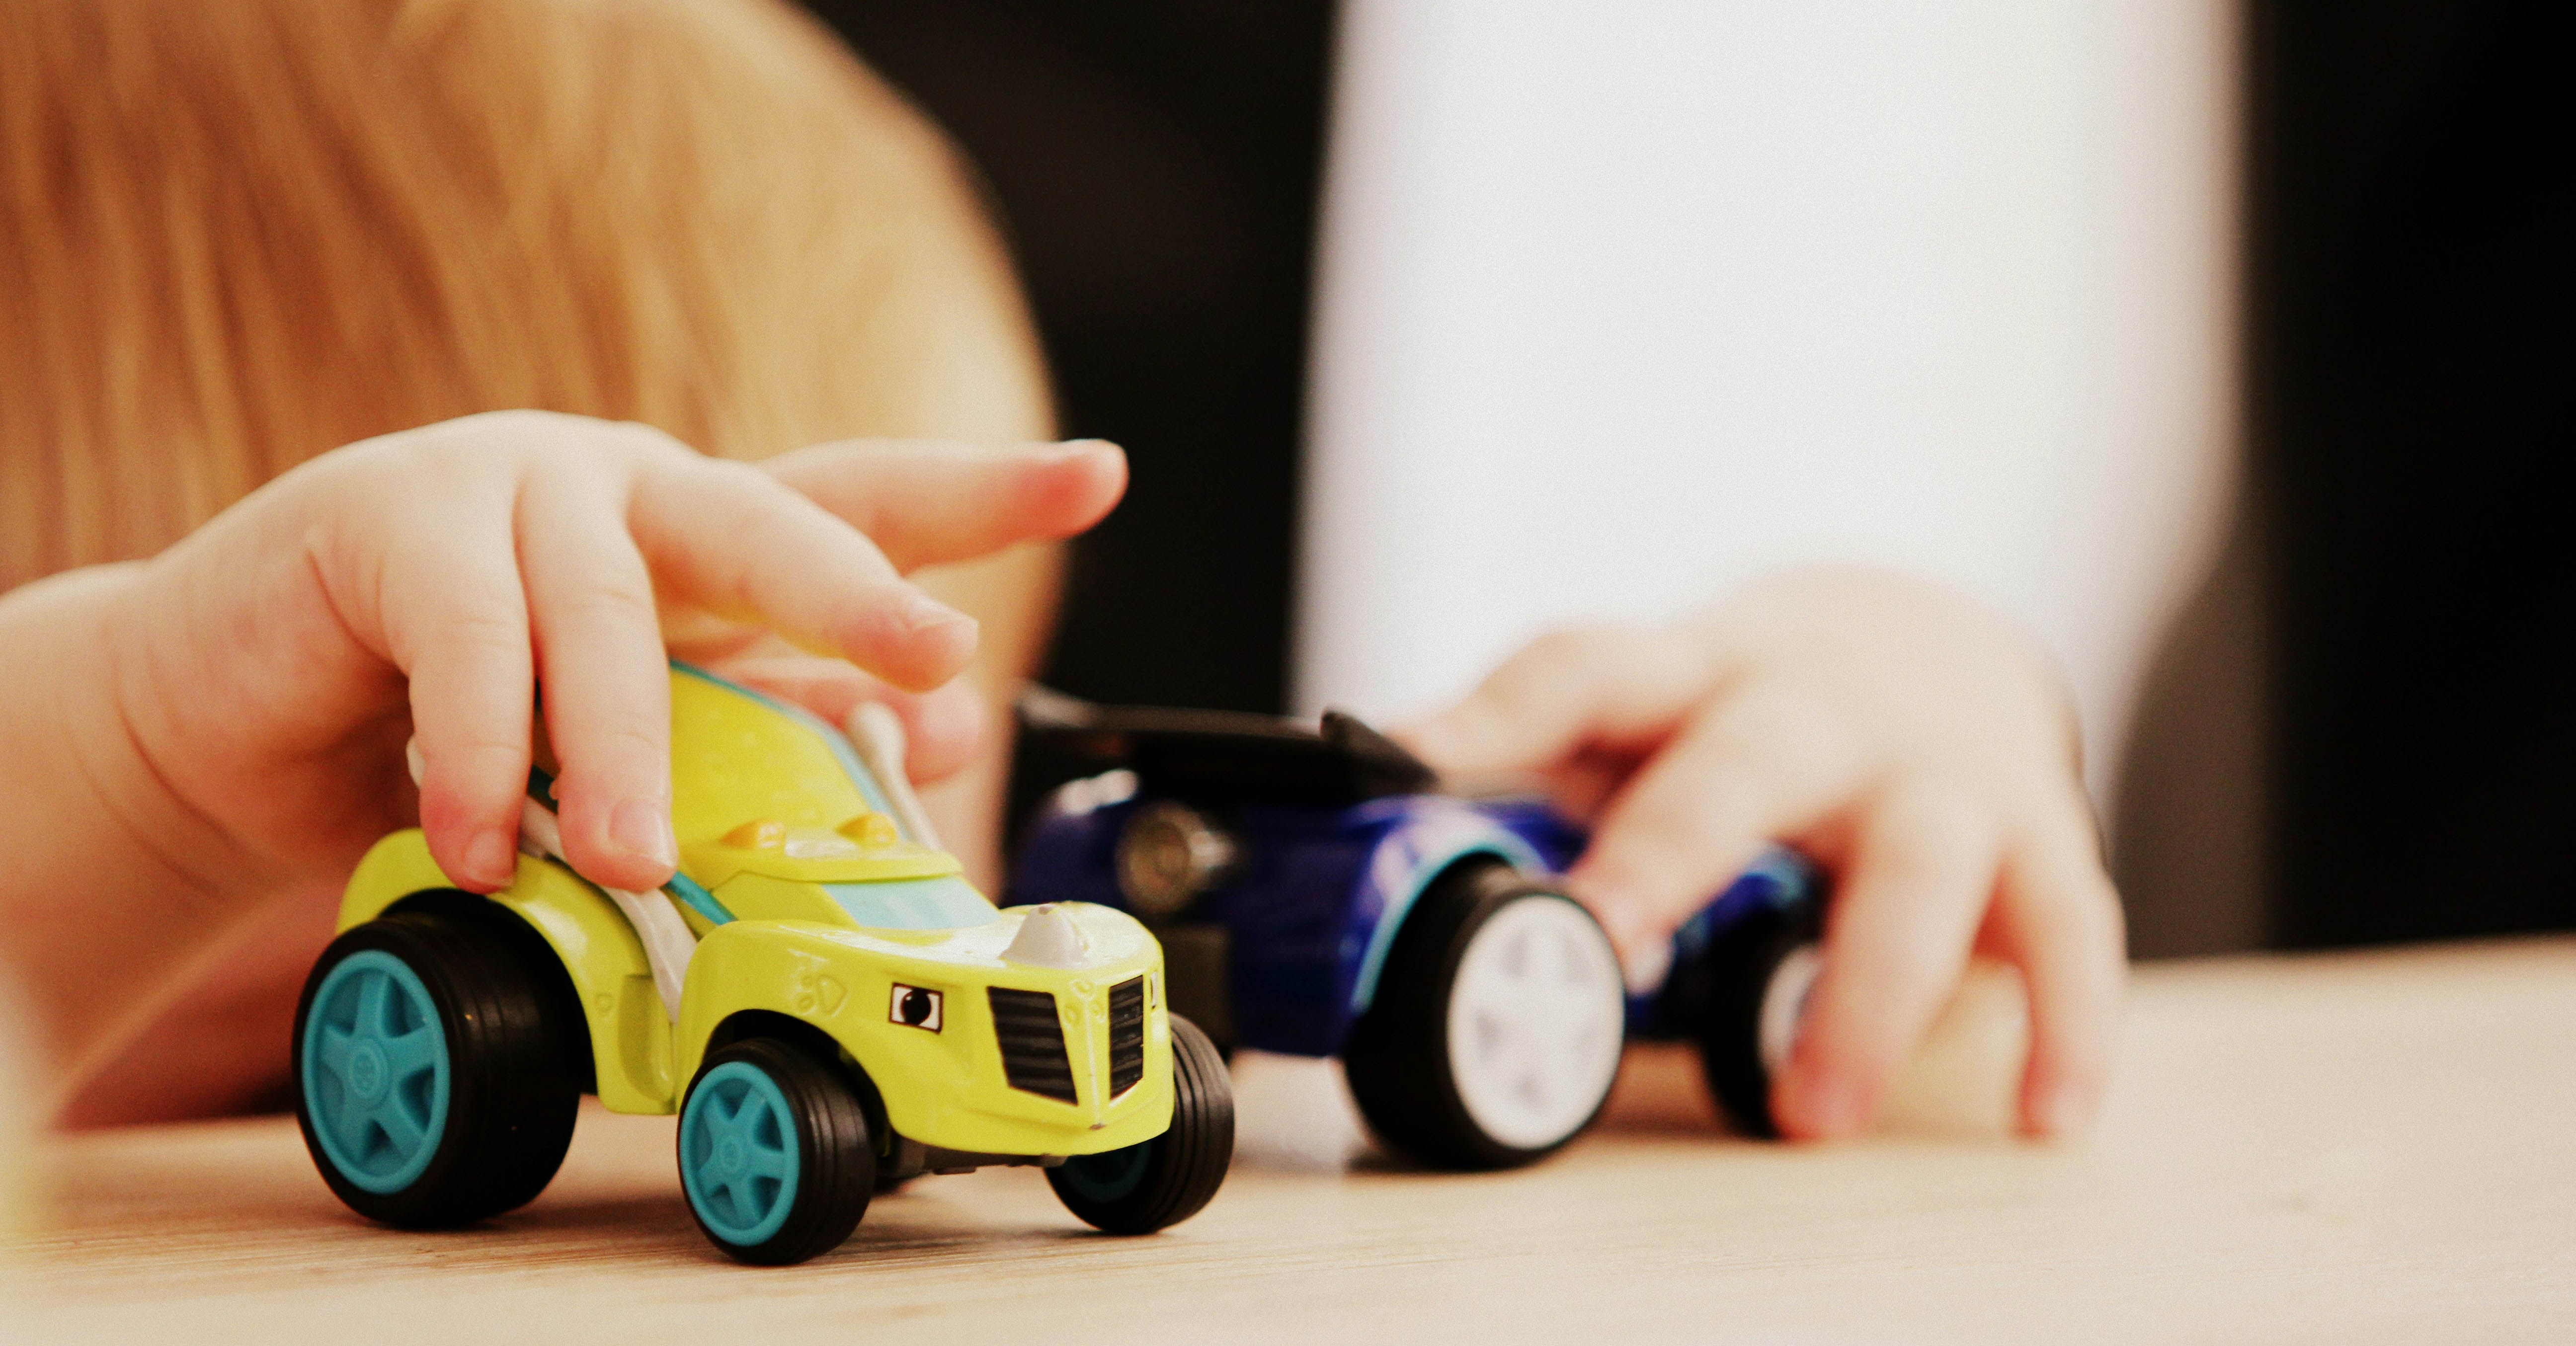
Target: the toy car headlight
(916, 1007)
(1169, 854)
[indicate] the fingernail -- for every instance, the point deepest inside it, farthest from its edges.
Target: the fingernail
(921, 612)
(643, 829)
(492, 858)
(1645, 962)
(1829, 1110)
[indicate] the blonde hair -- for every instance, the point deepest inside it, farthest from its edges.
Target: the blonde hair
(235, 235)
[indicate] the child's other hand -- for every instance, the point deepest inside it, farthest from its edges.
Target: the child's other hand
(1905, 739)
(426, 583)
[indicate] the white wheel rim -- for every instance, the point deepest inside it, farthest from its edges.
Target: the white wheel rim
(1536, 1016)
(1784, 1003)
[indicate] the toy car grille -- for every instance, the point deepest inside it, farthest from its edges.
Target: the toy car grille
(1032, 1043)
(1126, 1035)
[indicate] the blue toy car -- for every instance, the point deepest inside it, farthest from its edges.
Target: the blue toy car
(1316, 895)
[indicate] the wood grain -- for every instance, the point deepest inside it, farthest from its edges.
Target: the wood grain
(2374, 1147)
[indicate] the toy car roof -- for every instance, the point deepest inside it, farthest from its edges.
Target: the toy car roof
(1227, 756)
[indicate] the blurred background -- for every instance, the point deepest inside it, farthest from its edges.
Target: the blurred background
(2217, 341)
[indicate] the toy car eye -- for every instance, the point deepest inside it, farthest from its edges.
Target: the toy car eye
(915, 1007)
(1169, 854)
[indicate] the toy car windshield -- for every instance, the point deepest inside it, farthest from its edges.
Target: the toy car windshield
(944, 902)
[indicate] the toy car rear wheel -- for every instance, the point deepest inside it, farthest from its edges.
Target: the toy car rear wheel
(435, 1071)
(1158, 1183)
(1756, 975)
(775, 1153)
(1496, 1029)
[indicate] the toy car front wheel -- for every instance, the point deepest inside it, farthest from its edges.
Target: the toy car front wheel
(1158, 1183)
(775, 1154)
(434, 1065)
(1756, 976)
(1497, 1025)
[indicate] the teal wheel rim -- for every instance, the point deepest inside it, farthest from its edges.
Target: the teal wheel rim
(375, 1072)
(738, 1153)
(1111, 1175)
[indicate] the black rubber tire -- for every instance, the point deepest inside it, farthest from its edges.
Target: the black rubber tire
(1726, 988)
(1181, 1168)
(512, 1036)
(836, 1154)
(1397, 1059)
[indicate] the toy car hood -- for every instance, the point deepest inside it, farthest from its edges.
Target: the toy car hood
(760, 786)
(809, 855)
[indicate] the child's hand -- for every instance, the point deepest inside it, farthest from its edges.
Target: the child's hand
(1905, 739)
(238, 705)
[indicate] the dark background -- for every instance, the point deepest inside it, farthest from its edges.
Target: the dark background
(1156, 166)
(1156, 163)
(2409, 373)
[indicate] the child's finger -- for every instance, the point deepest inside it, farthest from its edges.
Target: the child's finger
(943, 729)
(925, 502)
(734, 539)
(1749, 768)
(2059, 919)
(456, 622)
(1563, 691)
(1896, 938)
(606, 680)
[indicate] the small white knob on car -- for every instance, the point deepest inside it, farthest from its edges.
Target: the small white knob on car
(1048, 938)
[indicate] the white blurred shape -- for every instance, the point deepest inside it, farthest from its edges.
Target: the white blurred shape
(1294, 1112)
(1047, 938)
(1623, 304)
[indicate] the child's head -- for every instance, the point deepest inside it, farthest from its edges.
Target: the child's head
(235, 235)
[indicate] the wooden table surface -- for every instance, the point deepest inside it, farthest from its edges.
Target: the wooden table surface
(2376, 1147)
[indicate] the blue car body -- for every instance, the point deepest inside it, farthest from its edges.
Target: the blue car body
(1319, 889)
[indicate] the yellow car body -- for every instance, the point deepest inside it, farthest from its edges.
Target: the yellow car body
(807, 904)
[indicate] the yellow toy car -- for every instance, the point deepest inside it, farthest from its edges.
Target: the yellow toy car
(844, 1010)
